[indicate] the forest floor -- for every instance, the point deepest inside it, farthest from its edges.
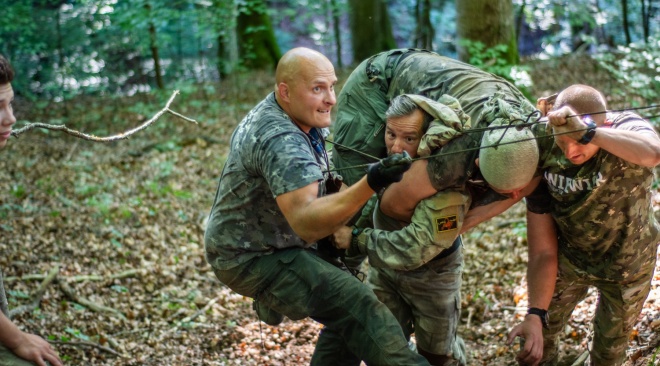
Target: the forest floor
(120, 228)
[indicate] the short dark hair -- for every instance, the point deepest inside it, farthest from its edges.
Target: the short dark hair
(6, 72)
(402, 105)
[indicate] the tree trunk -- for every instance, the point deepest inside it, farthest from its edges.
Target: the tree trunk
(520, 19)
(424, 32)
(225, 27)
(370, 27)
(645, 19)
(335, 25)
(487, 21)
(258, 48)
(154, 50)
(624, 8)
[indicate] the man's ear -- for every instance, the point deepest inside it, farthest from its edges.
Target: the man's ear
(476, 161)
(283, 92)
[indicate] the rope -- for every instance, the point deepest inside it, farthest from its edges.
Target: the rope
(519, 126)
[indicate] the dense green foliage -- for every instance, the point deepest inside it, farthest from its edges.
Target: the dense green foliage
(64, 48)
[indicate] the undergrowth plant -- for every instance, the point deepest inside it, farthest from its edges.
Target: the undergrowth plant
(495, 61)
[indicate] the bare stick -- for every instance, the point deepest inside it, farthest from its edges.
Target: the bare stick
(81, 278)
(36, 298)
(580, 360)
(68, 291)
(120, 136)
(4, 305)
(201, 311)
(88, 344)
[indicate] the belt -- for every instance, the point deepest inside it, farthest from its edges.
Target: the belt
(448, 251)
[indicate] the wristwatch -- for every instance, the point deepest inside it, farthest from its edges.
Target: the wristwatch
(543, 314)
(354, 239)
(591, 131)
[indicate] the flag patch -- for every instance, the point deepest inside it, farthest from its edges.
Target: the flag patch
(446, 223)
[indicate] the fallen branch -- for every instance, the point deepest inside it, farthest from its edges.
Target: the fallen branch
(68, 291)
(81, 278)
(36, 298)
(4, 305)
(513, 222)
(201, 311)
(580, 360)
(88, 344)
(120, 136)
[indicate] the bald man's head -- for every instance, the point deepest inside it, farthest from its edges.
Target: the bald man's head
(296, 61)
(583, 99)
(304, 88)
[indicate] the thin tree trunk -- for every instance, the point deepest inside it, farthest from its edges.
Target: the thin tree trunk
(520, 19)
(424, 31)
(60, 57)
(337, 33)
(605, 38)
(645, 19)
(154, 50)
(624, 8)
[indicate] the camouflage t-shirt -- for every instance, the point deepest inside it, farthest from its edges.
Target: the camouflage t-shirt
(269, 156)
(602, 208)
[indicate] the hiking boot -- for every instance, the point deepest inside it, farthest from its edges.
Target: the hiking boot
(266, 314)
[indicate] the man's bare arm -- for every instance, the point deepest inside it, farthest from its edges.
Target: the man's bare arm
(400, 199)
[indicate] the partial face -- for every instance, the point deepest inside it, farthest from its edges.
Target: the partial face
(404, 133)
(576, 153)
(7, 118)
(510, 193)
(312, 95)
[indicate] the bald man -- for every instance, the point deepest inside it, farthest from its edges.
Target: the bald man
(270, 209)
(598, 176)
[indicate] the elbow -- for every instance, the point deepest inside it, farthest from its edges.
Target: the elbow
(654, 159)
(396, 211)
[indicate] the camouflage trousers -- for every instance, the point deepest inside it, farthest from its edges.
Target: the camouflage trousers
(619, 305)
(297, 283)
(427, 302)
(8, 358)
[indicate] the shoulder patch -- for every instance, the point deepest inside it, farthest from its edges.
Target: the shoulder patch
(446, 223)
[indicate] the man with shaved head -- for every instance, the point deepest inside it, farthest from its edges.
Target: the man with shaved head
(598, 176)
(270, 209)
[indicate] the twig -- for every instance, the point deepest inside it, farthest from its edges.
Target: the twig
(4, 305)
(202, 310)
(120, 136)
(88, 344)
(38, 294)
(68, 291)
(510, 223)
(81, 278)
(580, 360)
(470, 314)
(513, 308)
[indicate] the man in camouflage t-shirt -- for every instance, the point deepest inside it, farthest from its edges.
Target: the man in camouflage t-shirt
(268, 213)
(597, 187)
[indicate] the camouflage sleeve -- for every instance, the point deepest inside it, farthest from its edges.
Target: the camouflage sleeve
(435, 225)
(286, 162)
